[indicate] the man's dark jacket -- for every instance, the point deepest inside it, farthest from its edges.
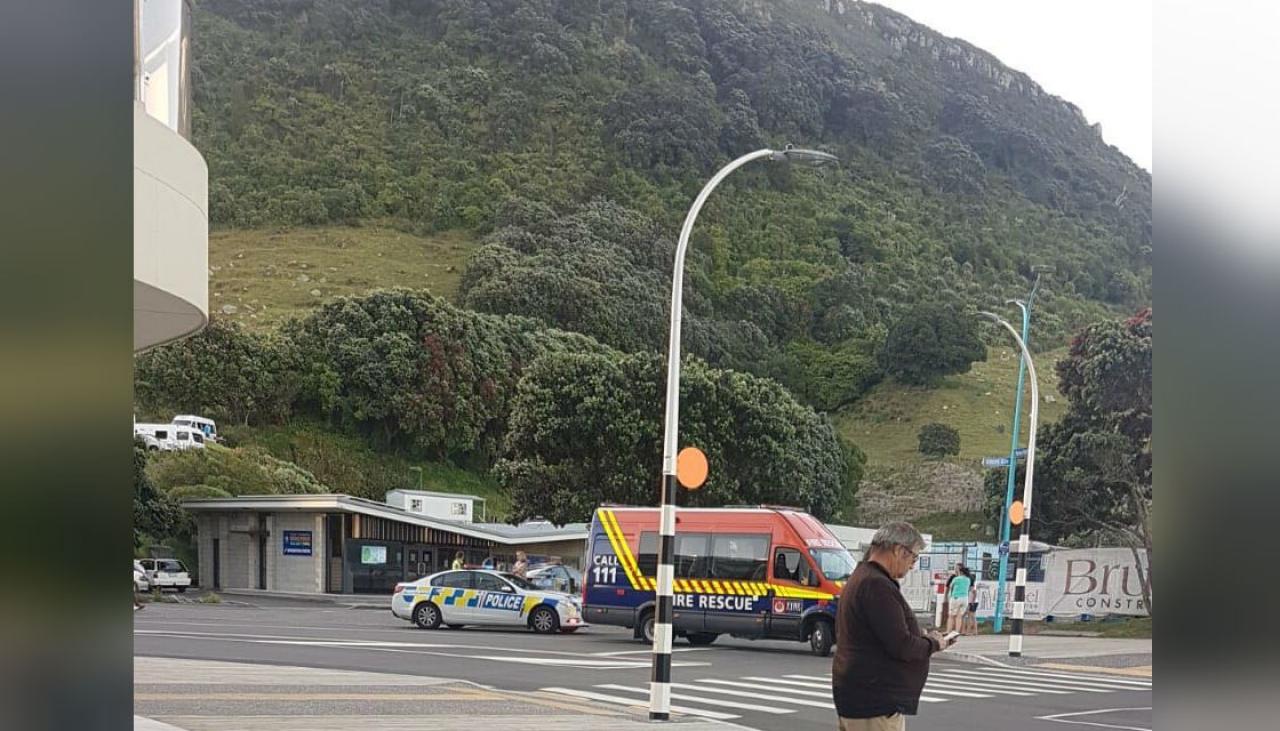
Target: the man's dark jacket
(881, 659)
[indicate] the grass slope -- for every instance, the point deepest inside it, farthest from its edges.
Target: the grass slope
(347, 464)
(979, 404)
(263, 277)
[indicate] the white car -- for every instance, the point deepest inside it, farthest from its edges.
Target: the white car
(459, 598)
(166, 573)
(140, 581)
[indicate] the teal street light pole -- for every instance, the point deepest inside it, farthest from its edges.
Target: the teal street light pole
(1013, 447)
(1024, 536)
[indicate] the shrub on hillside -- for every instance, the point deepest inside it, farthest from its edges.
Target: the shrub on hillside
(939, 440)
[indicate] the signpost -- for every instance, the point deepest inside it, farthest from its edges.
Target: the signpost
(1003, 461)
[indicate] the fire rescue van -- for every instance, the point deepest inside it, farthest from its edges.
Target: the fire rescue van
(758, 572)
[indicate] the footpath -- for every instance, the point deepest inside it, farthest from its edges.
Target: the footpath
(204, 695)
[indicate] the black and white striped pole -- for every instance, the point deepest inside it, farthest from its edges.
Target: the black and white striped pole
(1024, 535)
(660, 681)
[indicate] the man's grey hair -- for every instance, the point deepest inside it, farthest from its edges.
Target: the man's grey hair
(897, 534)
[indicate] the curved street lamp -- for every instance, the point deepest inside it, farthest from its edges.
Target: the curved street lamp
(1014, 432)
(1024, 536)
(660, 682)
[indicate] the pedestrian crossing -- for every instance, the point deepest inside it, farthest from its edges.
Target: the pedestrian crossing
(728, 698)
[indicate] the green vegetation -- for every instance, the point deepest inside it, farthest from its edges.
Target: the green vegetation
(218, 471)
(978, 404)
(532, 162)
(930, 341)
(411, 376)
(1095, 463)
(939, 440)
(347, 464)
(1116, 627)
(585, 430)
(261, 278)
(954, 526)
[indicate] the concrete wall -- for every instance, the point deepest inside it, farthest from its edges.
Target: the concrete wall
(291, 572)
(239, 551)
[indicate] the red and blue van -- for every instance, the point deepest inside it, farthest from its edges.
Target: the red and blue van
(754, 572)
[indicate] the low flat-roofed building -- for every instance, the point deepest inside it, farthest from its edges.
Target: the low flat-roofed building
(339, 544)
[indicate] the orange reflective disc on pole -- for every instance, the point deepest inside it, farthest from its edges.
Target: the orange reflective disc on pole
(691, 468)
(1015, 512)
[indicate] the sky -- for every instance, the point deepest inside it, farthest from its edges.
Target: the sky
(1095, 54)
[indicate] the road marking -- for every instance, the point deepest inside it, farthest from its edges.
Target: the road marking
(637, 703)
(1023, 681)
(1109, 683)
(1080, 677)
(1135, 671)
(416, 649)
(933, 682)
(1002, 682)
(772, 684)
(1063, 718)
(1027, 688)
(699, 699)
(826, 682)
(295, 696)
(647, 652)
(772, 698)
(371, 643)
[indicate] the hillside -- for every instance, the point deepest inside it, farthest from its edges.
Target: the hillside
(262, 277)
(979, 404)
(535, 158)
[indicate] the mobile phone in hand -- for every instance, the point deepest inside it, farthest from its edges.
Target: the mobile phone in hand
(950, 637)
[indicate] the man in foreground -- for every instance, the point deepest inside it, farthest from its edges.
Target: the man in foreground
(882, 657)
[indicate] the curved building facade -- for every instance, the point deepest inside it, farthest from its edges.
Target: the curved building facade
(170, 182)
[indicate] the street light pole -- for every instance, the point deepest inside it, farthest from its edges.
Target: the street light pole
(1024, 536)
(1013, 450)
(660, 681)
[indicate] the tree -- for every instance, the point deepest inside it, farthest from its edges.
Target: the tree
(1094, 471)
(155, 513)
(939, 440)
(222, 372)
(409, 370)
(931, 341)
(586, 429)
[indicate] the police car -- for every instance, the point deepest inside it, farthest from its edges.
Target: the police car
(459, 598)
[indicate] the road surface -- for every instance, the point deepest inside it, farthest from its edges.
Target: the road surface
(760, 685)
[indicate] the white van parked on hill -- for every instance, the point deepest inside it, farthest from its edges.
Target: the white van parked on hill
(199, 423)
(166, 437)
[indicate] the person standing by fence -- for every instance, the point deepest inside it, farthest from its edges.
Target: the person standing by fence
(958, 598)
(882, 656)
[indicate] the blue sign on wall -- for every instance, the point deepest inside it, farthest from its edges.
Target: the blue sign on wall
(297, 543)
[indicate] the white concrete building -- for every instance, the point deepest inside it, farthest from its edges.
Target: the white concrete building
(339, 544)
(444, 505)
(170, 181)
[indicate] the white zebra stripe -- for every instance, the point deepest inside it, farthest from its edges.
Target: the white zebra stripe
(699, 699)
(637, 703)
(1067, 679)
(772, 697)
(1136, 682)
(996, 677)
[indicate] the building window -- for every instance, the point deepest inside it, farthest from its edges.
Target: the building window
(415, 505)
(458, 509)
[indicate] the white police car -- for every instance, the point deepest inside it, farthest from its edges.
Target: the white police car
(459, 598)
